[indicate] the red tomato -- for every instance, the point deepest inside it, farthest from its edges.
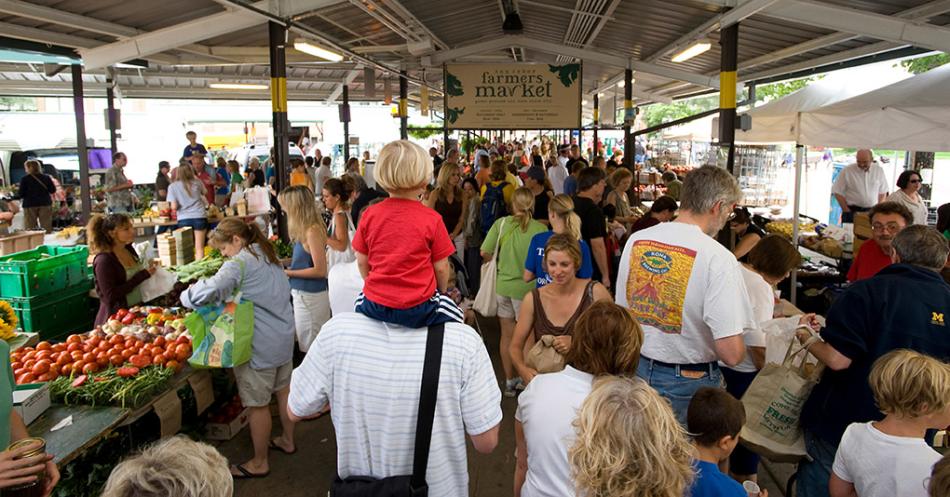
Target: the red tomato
(19, 372)
(183, 339)
(63, 359)
(140, 361)
(16, 365)
(41, 367)
(29, 355)
(43, 378)
(66, 369)
(59, 347)
(53, 374)
(102, 361)
(169, 356)
(26, 378)
(121, 313)
(174, 365)
(158, 360)
(159, 341)
(94, 340)
(88, 347)
(44, 345)
(90, 368)
(89, 357)
(74, 339)
(156, 351)
(114, 339)
(29, 364)
(182, 352)
(44, 354)
(127, 353)
(76, 355)
(118, 347)
(73, 346)
(16, 357)
(116, 359)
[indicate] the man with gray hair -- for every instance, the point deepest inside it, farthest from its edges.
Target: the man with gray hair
(904, 306)
(687, 292)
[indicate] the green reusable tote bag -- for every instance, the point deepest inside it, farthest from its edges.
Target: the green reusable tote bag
(223, 332)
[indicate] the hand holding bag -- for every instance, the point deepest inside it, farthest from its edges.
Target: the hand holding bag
(222, 333)
(413, 485)
(543, 358)
(486, 302)
(773, 405)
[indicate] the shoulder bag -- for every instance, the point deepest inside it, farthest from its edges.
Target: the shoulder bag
(222, 333)
(413, 485)
(486, 301)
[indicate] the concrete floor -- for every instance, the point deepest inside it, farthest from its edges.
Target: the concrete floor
(310, 471)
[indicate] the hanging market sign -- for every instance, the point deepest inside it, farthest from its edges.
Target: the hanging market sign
(512, 96)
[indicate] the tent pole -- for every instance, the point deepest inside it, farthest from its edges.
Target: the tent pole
(799, 153)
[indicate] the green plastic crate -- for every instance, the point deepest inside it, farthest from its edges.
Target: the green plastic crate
(54, 315)
(42, 271)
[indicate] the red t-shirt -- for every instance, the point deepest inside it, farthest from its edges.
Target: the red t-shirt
(206, 180)
(402, 239)
(869, 261)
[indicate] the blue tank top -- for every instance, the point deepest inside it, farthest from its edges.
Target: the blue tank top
(302, 260)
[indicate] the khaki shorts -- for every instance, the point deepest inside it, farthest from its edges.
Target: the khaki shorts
(256, 386)
(508, 307)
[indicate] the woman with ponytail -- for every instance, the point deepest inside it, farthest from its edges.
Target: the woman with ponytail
(117, 267)
(563, 221)
(513, 235)
(253, 267)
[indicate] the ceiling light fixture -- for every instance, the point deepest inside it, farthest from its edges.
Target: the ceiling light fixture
(693, 50)
(308, 47)
(237, 86)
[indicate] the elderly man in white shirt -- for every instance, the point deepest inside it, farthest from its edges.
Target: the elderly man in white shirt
(859, 186)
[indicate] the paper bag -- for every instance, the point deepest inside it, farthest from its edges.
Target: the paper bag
(543, 358)
(158, 284)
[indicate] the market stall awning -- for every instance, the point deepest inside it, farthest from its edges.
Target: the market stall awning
(775, 122)
(913, 114)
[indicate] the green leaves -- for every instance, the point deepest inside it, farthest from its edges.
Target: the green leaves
(567, 74)
(453, 86)
(453, 113)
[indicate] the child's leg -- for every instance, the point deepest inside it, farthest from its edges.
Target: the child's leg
(438, 309)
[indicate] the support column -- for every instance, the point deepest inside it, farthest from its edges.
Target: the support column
(729, 41)
(345, 115)
(110, 104)
(629, 151)
(85, 192)
(403, 106)
(596, 123)
(278, 94)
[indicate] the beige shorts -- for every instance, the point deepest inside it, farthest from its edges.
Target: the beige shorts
(508, 307)
(256, 386)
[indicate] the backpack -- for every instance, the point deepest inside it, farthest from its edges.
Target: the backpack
(493, 205)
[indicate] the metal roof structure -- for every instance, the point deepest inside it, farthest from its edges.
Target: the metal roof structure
(189, 44)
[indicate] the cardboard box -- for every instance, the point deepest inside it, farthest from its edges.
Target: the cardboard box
(31, 400)
(227, 431)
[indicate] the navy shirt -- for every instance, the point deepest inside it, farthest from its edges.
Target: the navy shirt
(535, 260)
(710, 482)
(903, 306)
(224, 189)
(303, 260)
(197, 149)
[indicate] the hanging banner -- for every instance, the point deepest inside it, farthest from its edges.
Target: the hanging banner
(513, 96)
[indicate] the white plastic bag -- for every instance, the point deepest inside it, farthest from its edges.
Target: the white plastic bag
(258, 200)
(158, 284)
(779, 334)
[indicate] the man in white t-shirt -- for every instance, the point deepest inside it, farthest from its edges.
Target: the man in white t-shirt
(687, 292)
(370, 372)
(859, 186)
(322, 174)
(557, 173)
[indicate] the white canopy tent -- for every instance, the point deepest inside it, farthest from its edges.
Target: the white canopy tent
(913, 114)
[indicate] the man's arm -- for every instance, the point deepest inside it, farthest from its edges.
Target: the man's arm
(842, 202)
(840, 488)
(881, 197)
(599, 251)
(826, 353)
(487, 441)
(731, 350)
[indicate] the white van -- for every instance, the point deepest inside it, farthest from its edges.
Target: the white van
(262, 152)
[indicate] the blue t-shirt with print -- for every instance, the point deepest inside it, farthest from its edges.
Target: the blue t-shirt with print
(710, 482)
(535, 260)
(197, 149)
(224, 174)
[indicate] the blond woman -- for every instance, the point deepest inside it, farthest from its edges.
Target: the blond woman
(513, 235)
(448, 201)
(176, 467)
(629, 444)
(308, 265)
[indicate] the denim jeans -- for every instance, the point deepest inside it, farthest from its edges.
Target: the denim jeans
(672, 385)
(813, 475)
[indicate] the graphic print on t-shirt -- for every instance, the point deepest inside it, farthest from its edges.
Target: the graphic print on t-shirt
(656, 288)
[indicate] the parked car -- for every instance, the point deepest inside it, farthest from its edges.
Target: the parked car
(243, 154)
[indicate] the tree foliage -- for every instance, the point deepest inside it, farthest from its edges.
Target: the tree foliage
(924, 64)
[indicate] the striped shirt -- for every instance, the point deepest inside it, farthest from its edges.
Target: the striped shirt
(370, 373)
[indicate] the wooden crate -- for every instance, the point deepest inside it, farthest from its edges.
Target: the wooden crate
(22, 241)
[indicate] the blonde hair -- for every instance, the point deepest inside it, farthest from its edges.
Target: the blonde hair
(522, 207)
(619, 175)
(186, 175)
(302, 212)
(177, 467)
(402, 165)
(910, 384)
(563, 206)
(32, 166)
(249, 233)
(629, 443)
(564, 243)
(442, 183)
(939, 485)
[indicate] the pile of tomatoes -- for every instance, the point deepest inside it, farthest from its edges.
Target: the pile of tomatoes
(86, 355)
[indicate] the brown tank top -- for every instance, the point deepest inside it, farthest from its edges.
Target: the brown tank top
(542, 326)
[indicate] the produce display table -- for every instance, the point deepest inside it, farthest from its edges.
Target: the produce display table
(90, 425)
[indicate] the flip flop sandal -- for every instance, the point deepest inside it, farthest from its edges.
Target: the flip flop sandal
(245, 474)
(274, 446)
